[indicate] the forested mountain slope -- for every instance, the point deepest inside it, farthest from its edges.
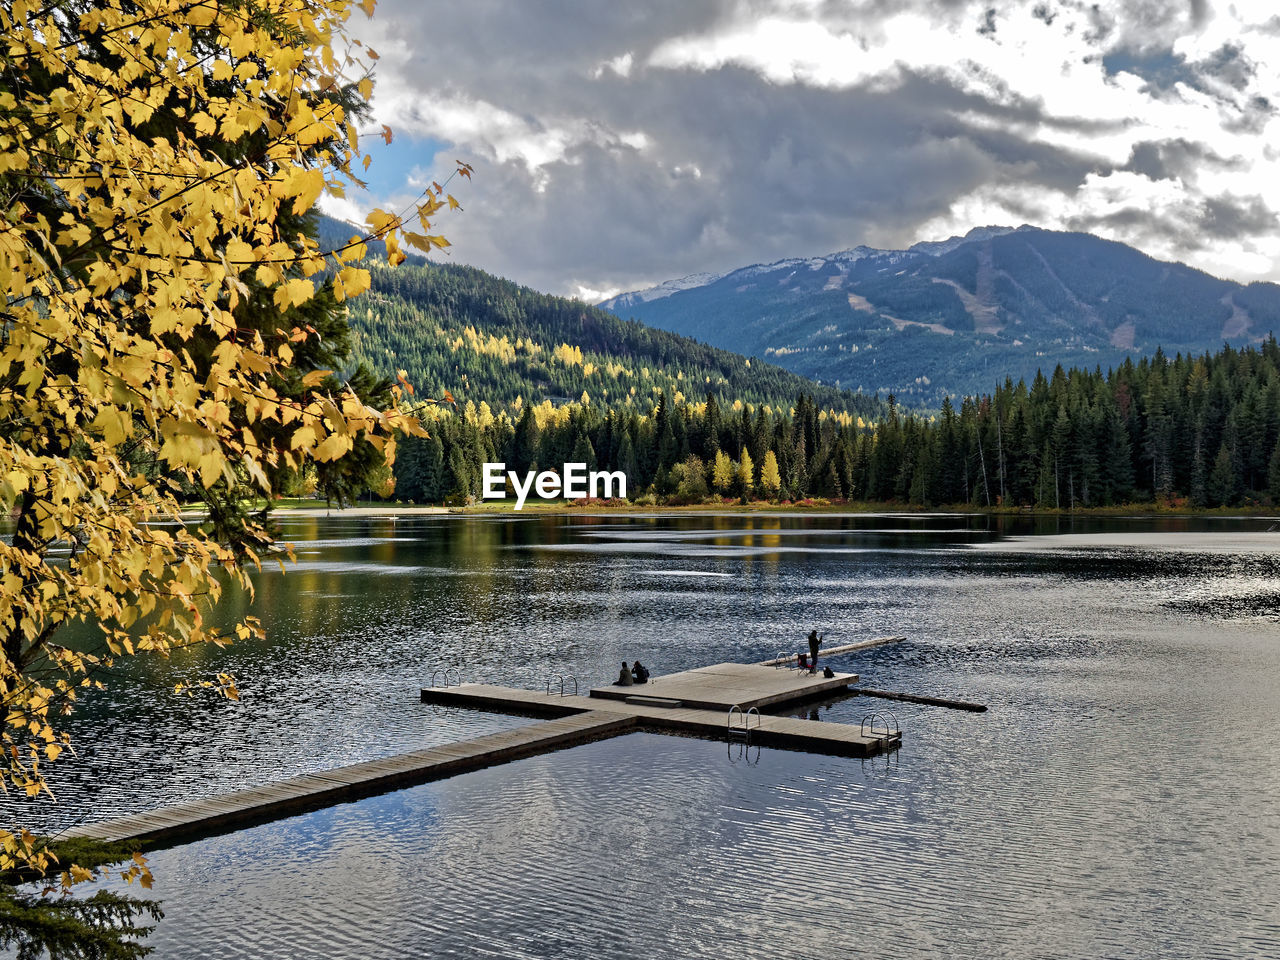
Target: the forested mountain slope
(483, 338)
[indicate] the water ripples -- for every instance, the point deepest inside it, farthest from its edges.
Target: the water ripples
(1116, 800)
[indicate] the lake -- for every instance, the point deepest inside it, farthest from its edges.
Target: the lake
(1118, 799)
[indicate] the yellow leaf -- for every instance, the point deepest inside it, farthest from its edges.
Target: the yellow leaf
(303, 437)
(333, 446)
(354, 280)
(291, 293)
(239, 252)
(305, 186)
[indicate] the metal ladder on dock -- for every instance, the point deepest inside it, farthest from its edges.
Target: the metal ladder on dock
(451, 676)
(740, 733)
(743, 727)
(884, 731)
(563, 678)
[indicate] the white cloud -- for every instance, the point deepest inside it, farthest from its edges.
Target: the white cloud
(620, 65)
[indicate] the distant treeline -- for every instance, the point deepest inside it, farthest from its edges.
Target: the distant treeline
(1204, 430)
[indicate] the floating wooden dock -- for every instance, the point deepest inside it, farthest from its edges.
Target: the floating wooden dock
(650, 713)
(312, 791)
(696, 702)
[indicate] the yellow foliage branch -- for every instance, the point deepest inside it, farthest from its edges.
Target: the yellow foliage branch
(148, 151)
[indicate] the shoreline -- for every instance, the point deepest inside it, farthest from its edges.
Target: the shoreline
(567, 508)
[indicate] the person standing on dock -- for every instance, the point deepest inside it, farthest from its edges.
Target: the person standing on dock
(815, 641)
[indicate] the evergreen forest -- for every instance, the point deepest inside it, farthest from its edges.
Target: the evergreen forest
(1201, 431)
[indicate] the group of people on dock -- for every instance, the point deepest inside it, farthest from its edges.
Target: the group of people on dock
(639, 673)
(636, 673)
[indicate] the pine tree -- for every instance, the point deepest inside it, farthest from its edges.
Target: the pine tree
(1273, 475)
(410, 469)
(799, 479)
(435, 478)
(924, 477)
(1117, 462)
(583, 452)
(460, 478)
(629, 464)
(524, 445)
(1222, 489)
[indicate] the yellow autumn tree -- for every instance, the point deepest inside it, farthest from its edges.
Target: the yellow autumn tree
(744, 473)
(156, 157)
(722, 472)
(770, 478)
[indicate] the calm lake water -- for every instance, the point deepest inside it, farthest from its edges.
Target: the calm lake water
(1119, 799)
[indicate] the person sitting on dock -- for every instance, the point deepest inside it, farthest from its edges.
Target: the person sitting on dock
(640, 673)
(624, 677)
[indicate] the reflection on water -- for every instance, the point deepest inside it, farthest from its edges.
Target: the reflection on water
(1118, 798)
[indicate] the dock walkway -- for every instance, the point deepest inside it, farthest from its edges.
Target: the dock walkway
(312, 791)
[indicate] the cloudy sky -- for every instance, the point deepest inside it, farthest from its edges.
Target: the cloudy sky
(617, 145)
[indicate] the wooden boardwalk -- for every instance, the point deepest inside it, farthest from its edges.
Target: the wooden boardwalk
(695, 702)
(313, 791)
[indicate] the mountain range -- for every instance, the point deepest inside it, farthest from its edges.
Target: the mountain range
(954, 317)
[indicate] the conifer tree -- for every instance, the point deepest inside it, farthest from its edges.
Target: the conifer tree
(1221, 490)
(1273, 475)
(524, 445)
(583, 452)
(435, 479)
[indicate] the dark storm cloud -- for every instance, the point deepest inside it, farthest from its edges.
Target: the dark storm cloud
(639, 173)
(1226, 218)
(1143, 223)
(1230, 65)
(1164, 159)
(1230, 217)
(783, 171)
